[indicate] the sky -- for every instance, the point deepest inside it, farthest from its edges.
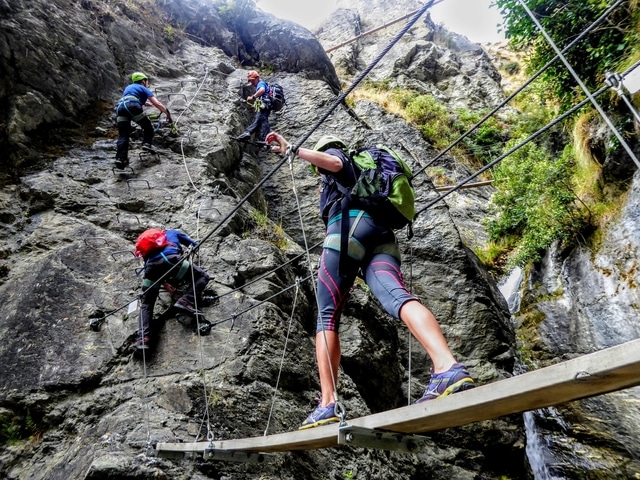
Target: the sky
(472, 18)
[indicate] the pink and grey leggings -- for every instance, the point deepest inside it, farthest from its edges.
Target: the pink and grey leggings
(373, 249)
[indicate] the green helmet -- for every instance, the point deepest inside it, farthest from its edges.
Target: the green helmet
(329, 141)
(138, 76)
(326, 142)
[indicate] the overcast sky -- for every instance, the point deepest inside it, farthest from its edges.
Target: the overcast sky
(472, 18)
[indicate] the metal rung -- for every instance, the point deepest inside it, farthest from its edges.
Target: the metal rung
(129, 182)
(177, 95)
(379, 439)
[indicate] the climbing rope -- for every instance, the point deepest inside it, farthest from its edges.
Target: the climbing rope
(291, 156)
(284, 351)
(201, 354)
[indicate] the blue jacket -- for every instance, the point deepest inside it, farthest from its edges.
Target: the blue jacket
(177, 239)
(264, 98)
(139, 91)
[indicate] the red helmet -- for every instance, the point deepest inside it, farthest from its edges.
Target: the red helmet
(253, 75)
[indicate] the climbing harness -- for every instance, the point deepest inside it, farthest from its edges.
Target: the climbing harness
(124, 101)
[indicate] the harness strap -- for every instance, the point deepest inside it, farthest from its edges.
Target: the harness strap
(123, 101)
(183, 267)
(128, 97)
(344, 237)
(344, 241)
(182, 270)
(355, 249)
(390, 248)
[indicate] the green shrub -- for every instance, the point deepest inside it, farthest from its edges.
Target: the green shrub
(534, 201)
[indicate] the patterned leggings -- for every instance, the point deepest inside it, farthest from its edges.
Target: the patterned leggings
(372, 248)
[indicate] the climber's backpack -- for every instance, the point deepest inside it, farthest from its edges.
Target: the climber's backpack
(383, 188)
(151, 241)
(276, 95)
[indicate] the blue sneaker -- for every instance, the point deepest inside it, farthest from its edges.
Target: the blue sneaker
(320, 416)
(456, 379)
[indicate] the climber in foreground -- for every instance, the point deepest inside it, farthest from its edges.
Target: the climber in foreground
(261, 104)
(372, 248)
(130, 108)
(162, 253)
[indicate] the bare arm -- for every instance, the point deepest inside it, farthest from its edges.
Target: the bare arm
(258, 93)
(156, 103)
(322, 160)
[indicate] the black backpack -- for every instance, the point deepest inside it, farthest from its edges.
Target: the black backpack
(276, 96)
(384, 186)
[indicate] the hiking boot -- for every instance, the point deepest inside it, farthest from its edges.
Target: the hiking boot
(320, 416)
(121, 163)
(186, 307)
(141, 344)
(148, 147)
(243, 136)
(454, 380)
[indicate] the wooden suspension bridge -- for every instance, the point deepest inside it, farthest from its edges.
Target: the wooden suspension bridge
(605, 371)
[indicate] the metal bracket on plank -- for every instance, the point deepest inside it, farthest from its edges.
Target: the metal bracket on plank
(379, 439)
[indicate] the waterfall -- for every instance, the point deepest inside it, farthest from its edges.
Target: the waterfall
(510, 289)
(536, 446)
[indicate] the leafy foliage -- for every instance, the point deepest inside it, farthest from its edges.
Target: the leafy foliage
(564, 20)
(441, 127)
(534, 201)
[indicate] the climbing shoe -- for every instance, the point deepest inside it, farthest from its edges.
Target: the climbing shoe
(243, 136)
(148, 147)
(320, 416)
(186, 307)
(454, 380)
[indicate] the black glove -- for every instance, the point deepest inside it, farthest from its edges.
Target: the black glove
(169, 117)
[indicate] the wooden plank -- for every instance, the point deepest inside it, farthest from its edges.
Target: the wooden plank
(597, 373)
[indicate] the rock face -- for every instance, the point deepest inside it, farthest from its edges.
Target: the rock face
(73, 402)
(586, 300)
(428, 58)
